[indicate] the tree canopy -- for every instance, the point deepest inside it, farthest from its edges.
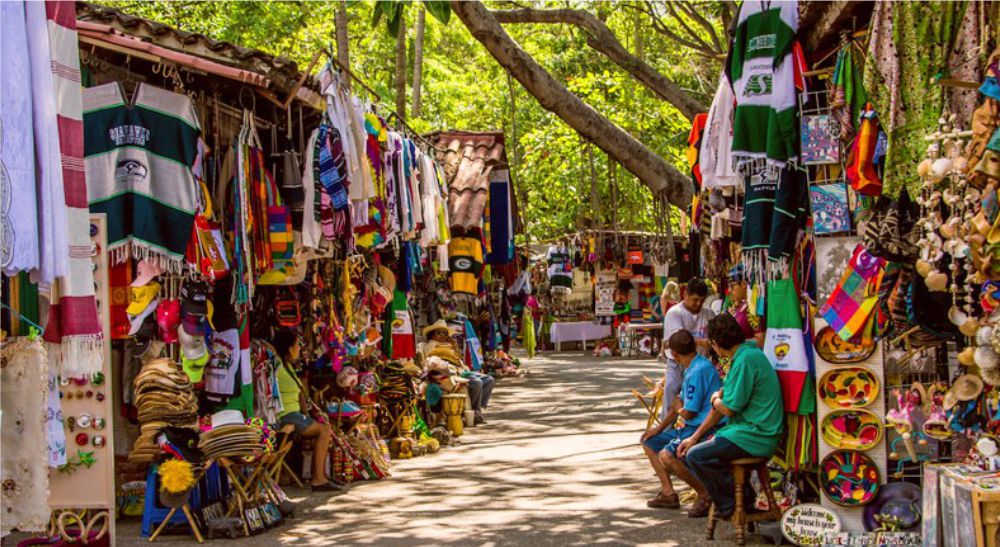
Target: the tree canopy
(464, 87)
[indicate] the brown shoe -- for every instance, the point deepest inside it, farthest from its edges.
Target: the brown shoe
(700, 508)
(663, 501)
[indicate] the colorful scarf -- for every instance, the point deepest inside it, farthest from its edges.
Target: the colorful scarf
(851, 303)
(73, 322)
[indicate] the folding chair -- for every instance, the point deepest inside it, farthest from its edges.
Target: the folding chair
(651, 401)
(278, 466)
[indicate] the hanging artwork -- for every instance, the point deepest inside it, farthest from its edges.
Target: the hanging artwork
(849, 478)
(819, 140)
(830, 209)
(832, 256)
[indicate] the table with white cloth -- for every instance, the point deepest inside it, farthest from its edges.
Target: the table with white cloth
(630, 335)
(577, 331)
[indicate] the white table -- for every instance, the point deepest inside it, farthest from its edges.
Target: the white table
(577, 331)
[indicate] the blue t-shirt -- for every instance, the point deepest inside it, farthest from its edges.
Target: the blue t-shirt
(701, 380)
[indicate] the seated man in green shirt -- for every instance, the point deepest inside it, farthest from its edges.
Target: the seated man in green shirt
(286, 345)
(750, 399)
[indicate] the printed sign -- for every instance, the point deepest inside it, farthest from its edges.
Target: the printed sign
(808, 523)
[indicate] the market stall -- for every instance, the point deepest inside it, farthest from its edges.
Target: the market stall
(264, 246)
(855, 239)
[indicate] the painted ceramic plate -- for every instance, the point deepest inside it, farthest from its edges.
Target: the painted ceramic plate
(833, 349)
(849, 387)
(849, 478)
(854, 429)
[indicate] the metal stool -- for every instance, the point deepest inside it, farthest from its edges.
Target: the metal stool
(740, 519)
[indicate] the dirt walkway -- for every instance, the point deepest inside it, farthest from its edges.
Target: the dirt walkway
(557, 464)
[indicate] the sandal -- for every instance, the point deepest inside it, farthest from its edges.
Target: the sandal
(700, 508)
(663, 501)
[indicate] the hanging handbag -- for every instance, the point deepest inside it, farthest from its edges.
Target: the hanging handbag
(860, 163)
(279, 225)
(207, 250)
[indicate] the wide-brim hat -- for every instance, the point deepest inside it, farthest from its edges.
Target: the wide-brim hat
(227, 417)
(966, 387)
(440, 324)
(899, 501)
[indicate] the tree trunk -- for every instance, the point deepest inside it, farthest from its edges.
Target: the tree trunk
(343, 54)
(660, 176)
(401, 69)
(600, 37)
(418, 62)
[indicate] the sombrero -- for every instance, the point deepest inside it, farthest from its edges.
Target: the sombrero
(440, 324)
(833, 349)
(897, 507)
(965, 388)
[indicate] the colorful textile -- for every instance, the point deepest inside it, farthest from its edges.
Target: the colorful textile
(404, 343)
(861, 162)
(774, 211)
(762, 72)
(784, 344)
(139, 160)
(528, 334)
(693, 151)
(465, 261)
(850, 305)
(72, 322)
(501, 222)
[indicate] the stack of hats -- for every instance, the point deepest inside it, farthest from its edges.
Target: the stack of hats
(164, 398)
(230, 437)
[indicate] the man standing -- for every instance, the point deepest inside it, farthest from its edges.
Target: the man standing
(751, 401)
(690, 315)
(701, 381)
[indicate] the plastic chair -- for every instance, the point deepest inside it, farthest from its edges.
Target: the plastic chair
(154, 513)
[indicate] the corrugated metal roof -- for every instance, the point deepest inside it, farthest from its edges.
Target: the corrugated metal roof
(468, 158)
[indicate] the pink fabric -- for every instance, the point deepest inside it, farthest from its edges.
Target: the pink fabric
(72, 325)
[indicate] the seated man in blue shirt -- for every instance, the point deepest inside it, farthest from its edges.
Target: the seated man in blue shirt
(693, 404)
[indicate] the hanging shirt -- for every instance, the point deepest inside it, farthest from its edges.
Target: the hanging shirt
(138, 159)
(762, 73)
(716, 157)
(560, 268)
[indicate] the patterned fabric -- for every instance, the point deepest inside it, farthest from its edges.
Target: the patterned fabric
(139, 160)
(852, 302)
(25, 474)
(73, 323)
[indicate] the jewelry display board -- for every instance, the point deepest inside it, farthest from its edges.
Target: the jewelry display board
(852, 518)
(87, 405)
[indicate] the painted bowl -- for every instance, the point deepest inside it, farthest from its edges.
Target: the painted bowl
(849, 478)
(849, 387)
(854, 429)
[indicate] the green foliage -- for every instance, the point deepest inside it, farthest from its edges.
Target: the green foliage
(464, 88)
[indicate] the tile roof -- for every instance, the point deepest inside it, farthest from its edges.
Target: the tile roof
(468, 159)
(282, 72)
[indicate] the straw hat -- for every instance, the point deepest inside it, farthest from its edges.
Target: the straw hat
(440, 324)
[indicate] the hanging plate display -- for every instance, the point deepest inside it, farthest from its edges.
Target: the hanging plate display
(833, 349)
(849, 387)
(849, 478)
(853, 429)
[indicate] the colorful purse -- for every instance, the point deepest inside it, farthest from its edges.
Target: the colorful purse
(279, 225)
(207, 249)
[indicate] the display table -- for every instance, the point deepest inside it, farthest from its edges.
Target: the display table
(577, 331)
(630, 333)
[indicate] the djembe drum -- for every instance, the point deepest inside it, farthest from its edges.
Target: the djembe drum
(453, 405)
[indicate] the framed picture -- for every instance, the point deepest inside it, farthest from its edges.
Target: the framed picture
(820, 140)
(830, 209)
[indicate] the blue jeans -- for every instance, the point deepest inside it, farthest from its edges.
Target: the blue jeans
(709, 462)
(480, 389)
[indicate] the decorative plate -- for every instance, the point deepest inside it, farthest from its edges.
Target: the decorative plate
(849, 478)
(833, 349)
(854, 429)
(849, 387)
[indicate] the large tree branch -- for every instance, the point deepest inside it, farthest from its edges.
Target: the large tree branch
(704, 23)
(660, 26)
(600, 37)
(660, 176)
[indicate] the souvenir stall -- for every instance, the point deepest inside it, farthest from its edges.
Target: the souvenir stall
(863, 258)
(604, 287)
(232, 199)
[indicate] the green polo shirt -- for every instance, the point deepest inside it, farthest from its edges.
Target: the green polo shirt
(752, 391)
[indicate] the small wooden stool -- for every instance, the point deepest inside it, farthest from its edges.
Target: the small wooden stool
(740, 519)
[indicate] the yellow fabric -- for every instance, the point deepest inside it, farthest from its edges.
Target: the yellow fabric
(466, 250)
(289, 389)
